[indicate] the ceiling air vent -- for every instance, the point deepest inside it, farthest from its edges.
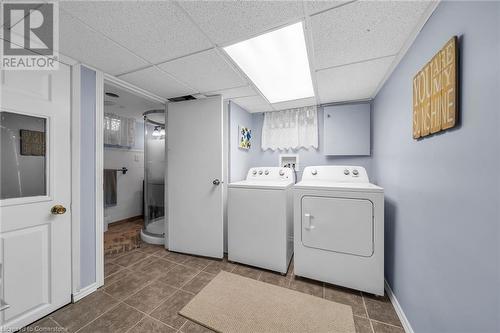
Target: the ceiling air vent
(181, 98)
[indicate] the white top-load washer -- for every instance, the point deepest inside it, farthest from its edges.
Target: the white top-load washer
(339, 228)
(260, 219)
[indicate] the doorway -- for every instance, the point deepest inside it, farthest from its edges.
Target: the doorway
(133, 169)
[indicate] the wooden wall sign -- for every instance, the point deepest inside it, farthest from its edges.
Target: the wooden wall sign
(435, 93)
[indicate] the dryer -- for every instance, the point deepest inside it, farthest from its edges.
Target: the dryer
(260, 219)
(339, 228)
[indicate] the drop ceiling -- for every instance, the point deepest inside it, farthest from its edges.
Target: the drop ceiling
(127, 104)
(175, 48)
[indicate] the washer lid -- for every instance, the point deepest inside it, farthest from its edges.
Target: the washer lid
(338, 186)
(262, 184)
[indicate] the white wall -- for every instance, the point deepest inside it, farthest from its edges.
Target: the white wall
(129, 191)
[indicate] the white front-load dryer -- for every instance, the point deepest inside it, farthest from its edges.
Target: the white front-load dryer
(260, 219)
(339, 228)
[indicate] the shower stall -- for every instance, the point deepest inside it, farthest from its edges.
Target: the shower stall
(155, 224)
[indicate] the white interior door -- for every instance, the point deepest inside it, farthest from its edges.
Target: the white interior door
(194, 177)
(35, 243)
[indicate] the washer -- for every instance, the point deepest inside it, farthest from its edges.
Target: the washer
(339, 228)
(260, 219)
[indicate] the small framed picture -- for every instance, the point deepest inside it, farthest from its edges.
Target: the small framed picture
(245, 137)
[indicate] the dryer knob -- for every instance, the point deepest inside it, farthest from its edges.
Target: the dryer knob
(346, 172)
(314, 172)
(254, 172)
(260, 172)
(282, 172)
(266, 172)
(355, 172)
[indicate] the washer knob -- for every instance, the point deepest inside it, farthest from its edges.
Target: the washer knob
(282, 172)
(254, 172)
(314, 172)
(355, 172)
(260, 172)
(346, 172)
(266, 172)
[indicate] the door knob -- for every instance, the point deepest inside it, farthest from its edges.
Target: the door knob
(216, 182)
(58, 210)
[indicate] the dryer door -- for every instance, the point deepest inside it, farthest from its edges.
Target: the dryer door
(338, 224)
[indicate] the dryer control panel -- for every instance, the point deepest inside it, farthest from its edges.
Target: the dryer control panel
(336, 173)
(271, 173)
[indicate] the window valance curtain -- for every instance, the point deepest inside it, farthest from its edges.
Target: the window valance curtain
(119, 131)
(290, 129)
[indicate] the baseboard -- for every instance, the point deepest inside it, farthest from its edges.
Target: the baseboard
(128, 219)
(84, 292)
(399, 310)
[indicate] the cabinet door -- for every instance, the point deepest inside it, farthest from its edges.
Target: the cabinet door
(347, 130)
(338, 224)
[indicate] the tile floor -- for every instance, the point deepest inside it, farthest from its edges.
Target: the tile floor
(145, 288)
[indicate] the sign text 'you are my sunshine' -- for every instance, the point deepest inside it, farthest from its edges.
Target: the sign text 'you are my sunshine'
(435, 93)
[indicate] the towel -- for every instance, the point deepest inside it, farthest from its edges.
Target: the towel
(109, 188)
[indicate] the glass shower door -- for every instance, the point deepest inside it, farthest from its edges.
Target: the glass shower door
(154, 177)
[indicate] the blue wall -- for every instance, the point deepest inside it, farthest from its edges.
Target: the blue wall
(307, 157)
(87, 180)
(240, 160)
(442, 192)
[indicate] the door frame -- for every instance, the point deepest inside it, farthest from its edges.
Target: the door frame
(77, 291)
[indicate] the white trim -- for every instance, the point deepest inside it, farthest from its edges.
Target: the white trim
(130, 87)
(75, 176)
(399, 310)
(409, 42)
(84, 292)
(99, 181)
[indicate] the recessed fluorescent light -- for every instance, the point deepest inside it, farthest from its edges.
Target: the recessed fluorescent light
(277, 63)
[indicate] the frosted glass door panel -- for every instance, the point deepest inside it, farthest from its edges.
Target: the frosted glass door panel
(23, 142)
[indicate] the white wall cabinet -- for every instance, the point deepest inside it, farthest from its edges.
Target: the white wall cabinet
(347, 130)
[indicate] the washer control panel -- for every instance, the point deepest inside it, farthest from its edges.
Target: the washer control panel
(271, 173)
(353, 174)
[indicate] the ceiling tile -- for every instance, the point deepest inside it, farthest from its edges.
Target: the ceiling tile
(156, 30)
(80, 43)
(351, 82)
(363, 30)
(204, 71)
(158, 82)
(295, 103)
(234, 92)
(233, 21)
(314, 7)
(253, 103)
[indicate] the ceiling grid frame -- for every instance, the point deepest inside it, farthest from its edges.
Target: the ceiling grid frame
(307, 12)
(126, 49)
(224, 56)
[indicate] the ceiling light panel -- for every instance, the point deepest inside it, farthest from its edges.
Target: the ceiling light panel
(277, 63)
